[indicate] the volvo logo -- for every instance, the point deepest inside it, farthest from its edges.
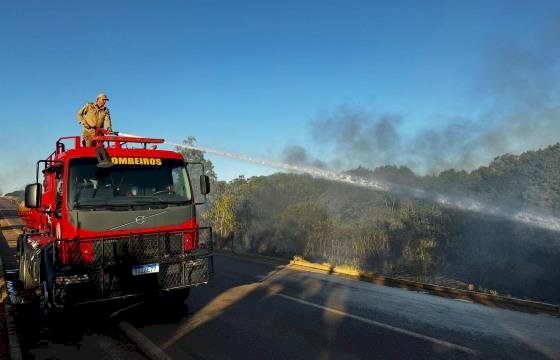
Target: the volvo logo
(138, 220)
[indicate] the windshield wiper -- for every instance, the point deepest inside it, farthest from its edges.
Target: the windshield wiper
(134, 200)
(172, 199)
(89, 204)
(177, 201)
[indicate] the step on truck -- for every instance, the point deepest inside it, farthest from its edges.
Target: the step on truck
(113, 221)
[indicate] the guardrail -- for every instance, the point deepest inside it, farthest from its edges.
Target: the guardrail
(476, 296)
(439, 290)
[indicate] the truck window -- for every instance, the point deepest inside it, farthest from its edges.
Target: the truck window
(58, 195)
(180, 181)
(140, 183)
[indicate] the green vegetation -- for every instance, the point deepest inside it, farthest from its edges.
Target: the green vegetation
(529, 180)
(396, 235)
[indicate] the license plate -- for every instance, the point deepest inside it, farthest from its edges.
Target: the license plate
(145, 269)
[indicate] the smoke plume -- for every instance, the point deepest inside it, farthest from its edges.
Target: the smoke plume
(297, 155)
(518, 91)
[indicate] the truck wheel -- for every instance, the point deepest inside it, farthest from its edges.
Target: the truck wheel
(21, 273)
(26, 275)
(19, 246)
(19, 255)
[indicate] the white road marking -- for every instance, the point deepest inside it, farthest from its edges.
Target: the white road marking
(383, 325)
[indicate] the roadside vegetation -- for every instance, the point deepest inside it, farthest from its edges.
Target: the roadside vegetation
(396, 235)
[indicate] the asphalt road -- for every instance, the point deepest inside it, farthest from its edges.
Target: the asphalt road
(263, 309)
(257, 309)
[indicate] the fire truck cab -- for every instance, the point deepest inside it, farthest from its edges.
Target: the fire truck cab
(113, 221)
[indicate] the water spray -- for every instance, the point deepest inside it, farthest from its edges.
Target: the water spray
(533, 219)
(539, 220)
(313, 171)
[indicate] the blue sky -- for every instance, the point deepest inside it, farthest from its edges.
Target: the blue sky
(255, 77)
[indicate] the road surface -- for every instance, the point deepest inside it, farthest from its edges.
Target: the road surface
(258, 309)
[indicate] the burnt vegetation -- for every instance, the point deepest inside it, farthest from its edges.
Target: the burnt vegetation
(397, 235)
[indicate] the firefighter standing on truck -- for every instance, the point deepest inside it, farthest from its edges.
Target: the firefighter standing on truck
(94, 116)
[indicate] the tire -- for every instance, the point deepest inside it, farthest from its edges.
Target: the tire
(19, 246)
(21, 273)
(26, 276)
(21, 259)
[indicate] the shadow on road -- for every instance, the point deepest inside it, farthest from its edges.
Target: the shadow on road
(65, 335)
(8, 211)
(245, 313)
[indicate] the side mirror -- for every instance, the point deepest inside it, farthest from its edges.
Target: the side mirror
(204, 184)
(33, 194)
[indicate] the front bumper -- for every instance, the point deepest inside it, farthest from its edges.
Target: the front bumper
(102, 269)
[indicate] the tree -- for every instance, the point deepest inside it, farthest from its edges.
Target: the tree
(192, 154)
(221, 215)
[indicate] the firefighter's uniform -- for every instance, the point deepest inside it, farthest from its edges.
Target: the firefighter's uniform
(92, 117)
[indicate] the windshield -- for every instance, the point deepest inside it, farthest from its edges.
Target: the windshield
(152, 181)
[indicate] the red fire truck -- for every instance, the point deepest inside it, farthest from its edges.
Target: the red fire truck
(113, 221)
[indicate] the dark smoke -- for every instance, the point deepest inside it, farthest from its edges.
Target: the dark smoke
(358, 137)
(297, 155)
(518, 89)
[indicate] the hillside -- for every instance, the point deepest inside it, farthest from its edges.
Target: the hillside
(394, 234)
(18, 194)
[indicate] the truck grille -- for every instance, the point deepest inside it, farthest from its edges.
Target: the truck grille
(108, 264)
